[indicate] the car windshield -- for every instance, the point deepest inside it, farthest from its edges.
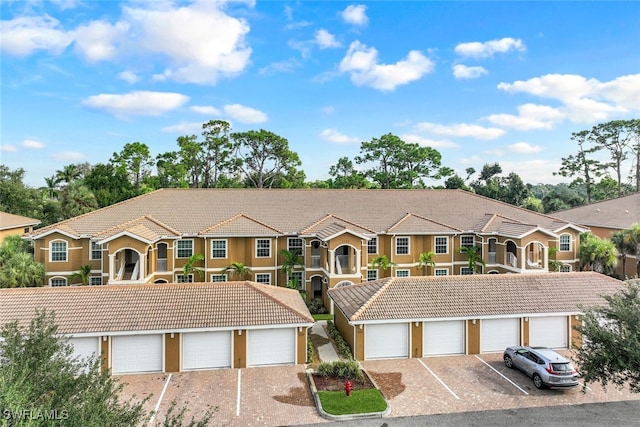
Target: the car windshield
(562, 367)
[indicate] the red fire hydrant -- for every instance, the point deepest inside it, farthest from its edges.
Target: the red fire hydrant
(348, 388)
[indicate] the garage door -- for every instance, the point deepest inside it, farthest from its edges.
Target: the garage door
(498, 334)
(549, 331)
(206, 350)
(272, 347)
(136, 353)
(446, 337)
(85, 347)
(385, 341)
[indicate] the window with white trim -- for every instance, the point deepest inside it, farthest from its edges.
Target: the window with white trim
(565, 268)
(96, 251)
(95, 280)
(58, 281)
(58, 251)
(372, 246)
(441, 272)
(402, 245)
(297, 277)
(467, 241)
(218, 277)
(264, 278)
(442, 245)
(219, 248)
(185, 248)
(565, 243)
(402, 273)
(372, 275)
(263, 248)
(465, 271)
(181, 278)
(295, 245)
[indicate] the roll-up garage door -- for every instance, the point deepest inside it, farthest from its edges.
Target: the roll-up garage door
(136, 353)
(386, 341)
(271, 347)
(443, 337)
(206, 350)
(498, 334)
(551, 331)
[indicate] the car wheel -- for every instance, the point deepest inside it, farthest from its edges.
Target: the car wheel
(537, 381)
(508, 362)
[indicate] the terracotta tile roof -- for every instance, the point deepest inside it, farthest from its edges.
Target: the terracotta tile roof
(291, 211)
(161, 307)
(416, 224)
(145, 227)
(618, 213)
(240, 225)
(330, 225)
(8, 221)
(472, 296)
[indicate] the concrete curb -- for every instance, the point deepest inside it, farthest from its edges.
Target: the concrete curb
(348, 417)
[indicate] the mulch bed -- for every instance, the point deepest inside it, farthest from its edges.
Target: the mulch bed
(337, 384)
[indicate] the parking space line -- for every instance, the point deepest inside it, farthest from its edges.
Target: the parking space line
(497, 372)
(155, 411)
(238, 398)
(439, 380)
(585, 386)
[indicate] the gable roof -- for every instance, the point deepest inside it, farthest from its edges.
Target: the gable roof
(145, 228)
(157, 307)
(472, 296)
(240, 225)
(620, 213)
(331, 226)
(295, 211)
(9, 221)
(416, 224)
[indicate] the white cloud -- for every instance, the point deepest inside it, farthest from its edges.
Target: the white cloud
(530, 116)
(184, 128)
(329, 109)
(361, 62)
(24, 35)
(129, 77)
(326, 40)
(32, 144)
(245, 114)
(584, 100)
(287, 66)
(489, 48)
(464, 72)
(427, 142)
(8, 148)
(355, 15)
(332, 135)
(69, 156)
(205, 109)
(138, 103)
(461, 130)
(97, 40)
(538, 171)
(524, 148)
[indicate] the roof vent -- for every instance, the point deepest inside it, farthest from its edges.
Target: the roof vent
(626, 211)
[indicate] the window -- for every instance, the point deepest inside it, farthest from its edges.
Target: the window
(402, 273)
(372, 275)
(96, 251)
(372, 246)
(218, 277)
(467, 241)
(58, 251)
(297, 277)
(263, 248)
(95, 280)
(442, 245)
(295, 245)
(181, 278)
(185, 248)
(58, 282)
(565, 268)
(402, 245)
(565, 243)
(264, 278)
(441, 272)
(465, 271)
(218, 249)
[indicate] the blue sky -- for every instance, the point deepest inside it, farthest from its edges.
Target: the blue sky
(480, 82)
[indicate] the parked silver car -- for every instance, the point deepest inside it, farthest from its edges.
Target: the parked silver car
(545, 367)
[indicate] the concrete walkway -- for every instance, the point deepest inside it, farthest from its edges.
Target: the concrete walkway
(324, 346)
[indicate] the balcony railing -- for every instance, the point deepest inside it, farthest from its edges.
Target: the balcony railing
(512, 260)
(492, 258)
(315, 261)
(161, 265)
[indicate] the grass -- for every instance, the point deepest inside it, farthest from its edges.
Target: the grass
(317, 317)
(360, 402)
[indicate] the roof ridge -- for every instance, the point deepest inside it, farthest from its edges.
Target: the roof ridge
(413, 214)
(371, 300)
(258, 287)
(328, 216)
(240, 215)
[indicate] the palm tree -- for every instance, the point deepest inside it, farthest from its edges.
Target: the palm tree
(474, 256)
(290, 262)
(634, 241)
(623, 244)
(21, 271)
(68, 174)
(553, 264)
(236, 269)
(83, 274)
(190, 267)
(597, 254)
(382, 262)
(425, 260)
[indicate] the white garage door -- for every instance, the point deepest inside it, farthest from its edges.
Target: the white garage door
(136, 353)
(445, 337)
(551, 331)
(272, 347)
(85, 347)
(498, 334)
(206, 350)
(386, 341)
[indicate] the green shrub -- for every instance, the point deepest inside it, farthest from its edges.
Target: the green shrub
(317, 306)
(343, 369)
(341, 344)
(310, 351)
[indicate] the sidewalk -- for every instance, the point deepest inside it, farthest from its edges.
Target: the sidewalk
(324, 347)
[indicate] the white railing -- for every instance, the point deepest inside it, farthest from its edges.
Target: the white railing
(512, 260)
(338, 264)
(120, 272)
(136, 271)
(492, 257)
(162, 265)
(315, 261)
